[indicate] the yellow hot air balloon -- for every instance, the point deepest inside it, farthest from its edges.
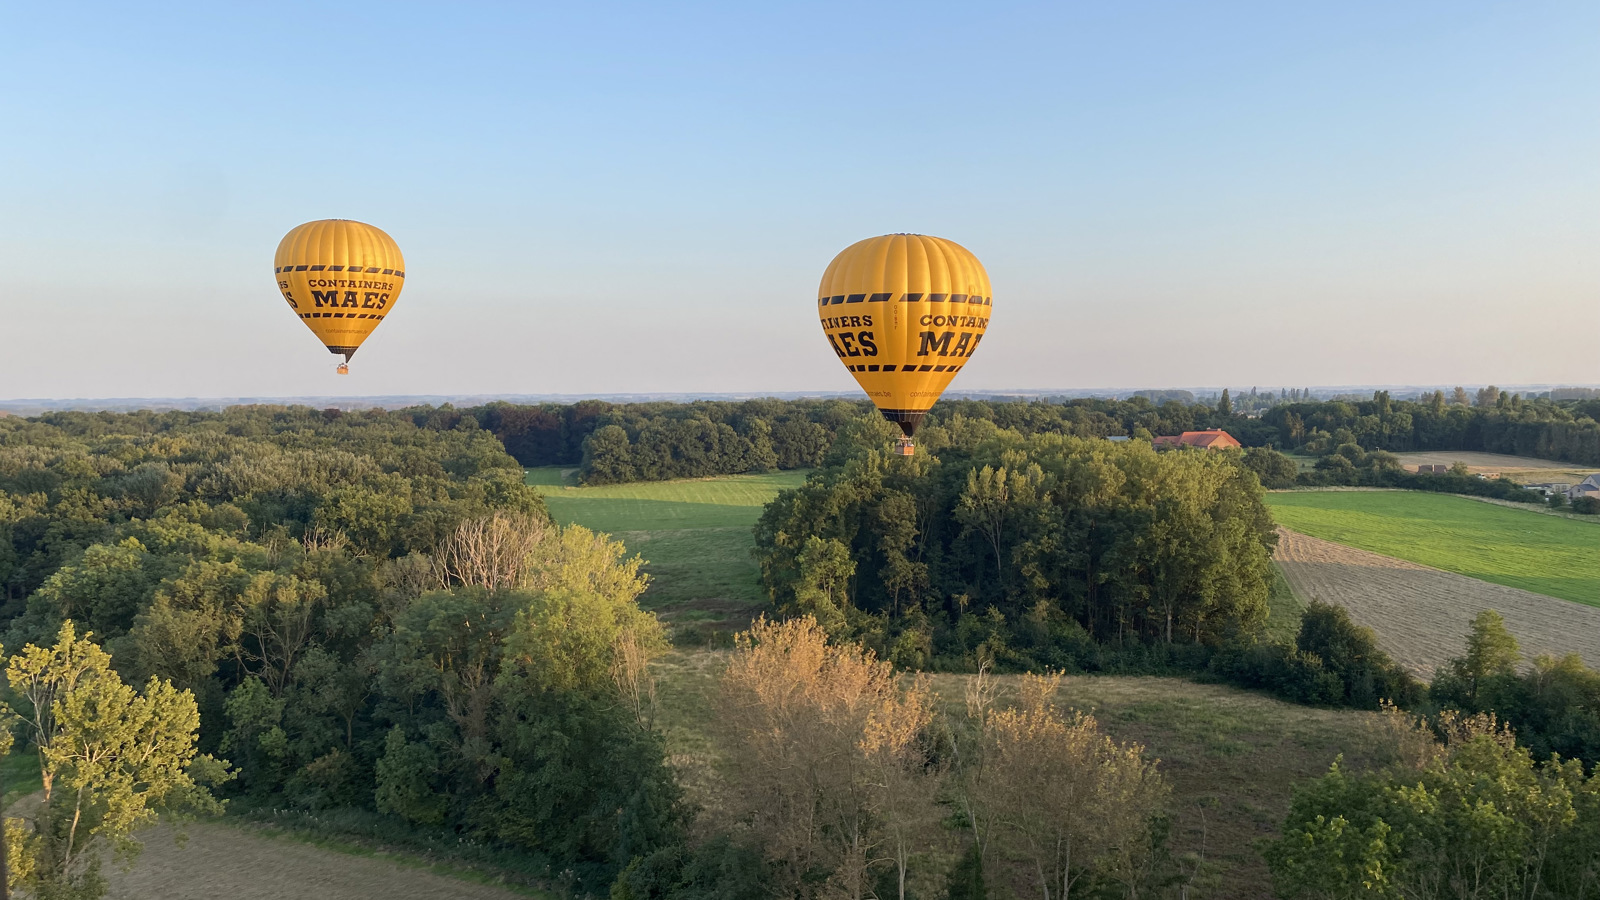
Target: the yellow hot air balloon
(341, 278)
(904, 312)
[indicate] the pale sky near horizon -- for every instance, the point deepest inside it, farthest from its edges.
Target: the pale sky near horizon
(614, 197)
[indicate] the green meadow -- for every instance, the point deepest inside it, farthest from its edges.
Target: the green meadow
(695, 536)
(1548, 555)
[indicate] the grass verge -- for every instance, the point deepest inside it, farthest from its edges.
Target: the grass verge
(362, 833)
(1283, 610)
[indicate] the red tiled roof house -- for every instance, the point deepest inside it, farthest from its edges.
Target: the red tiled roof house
(1202, 440)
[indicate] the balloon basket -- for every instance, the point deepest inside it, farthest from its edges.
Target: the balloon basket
(343, 369)
(904, 447)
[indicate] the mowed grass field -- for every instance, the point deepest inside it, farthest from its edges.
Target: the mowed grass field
(695, 536)
(1557, 557)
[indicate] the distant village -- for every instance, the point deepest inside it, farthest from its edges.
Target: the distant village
(1589, 487)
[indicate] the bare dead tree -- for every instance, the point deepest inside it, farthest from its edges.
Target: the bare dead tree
(1066, 798)
(827, 769)
(630, 669)
(490, 551)
(318, 539)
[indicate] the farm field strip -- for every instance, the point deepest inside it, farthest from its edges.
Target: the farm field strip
(1422, 614)
(1482, 461)
(1550, 555)
(1521, 469)
(727, 501)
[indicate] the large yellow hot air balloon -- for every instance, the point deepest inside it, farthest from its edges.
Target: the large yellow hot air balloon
(904, 312)
(341, 278)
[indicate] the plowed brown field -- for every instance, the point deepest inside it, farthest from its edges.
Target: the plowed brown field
(243, 864)
(1421, 615)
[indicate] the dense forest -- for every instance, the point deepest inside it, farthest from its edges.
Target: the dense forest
(1117, 540)
(360, 612)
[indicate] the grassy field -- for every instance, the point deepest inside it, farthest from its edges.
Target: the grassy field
(1231, 757)
(694, 534)
(226, 859)
(1284, 609)
(1547, 555)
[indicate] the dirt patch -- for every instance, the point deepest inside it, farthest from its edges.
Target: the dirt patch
(1422, 614)
(241, 864)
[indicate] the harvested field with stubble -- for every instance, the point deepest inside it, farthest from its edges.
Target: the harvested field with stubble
(1521, 469)
(1422, 614)
(221, 860)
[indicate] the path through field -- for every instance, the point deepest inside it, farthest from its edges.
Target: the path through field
(1422, 614)
(240, 864)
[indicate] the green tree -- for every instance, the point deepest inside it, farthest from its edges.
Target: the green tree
(1274, 469)
(763, 457)
(407, 776)
(1225, 405)
(608, 456)
(1474, 818)
(256, 739)
(111, 759)
(1351, 654)
(992, 502)
(1491, 651)
(822, 590)
(180, 635)
(105, 589)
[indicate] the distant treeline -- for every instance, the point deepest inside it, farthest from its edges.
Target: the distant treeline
(1504, 423)
(612, 443)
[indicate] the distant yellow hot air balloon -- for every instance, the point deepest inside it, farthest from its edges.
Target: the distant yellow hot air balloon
(341, 278)
(904, 312)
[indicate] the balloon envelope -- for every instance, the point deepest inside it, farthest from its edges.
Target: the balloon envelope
(904, 313)
(341, 278)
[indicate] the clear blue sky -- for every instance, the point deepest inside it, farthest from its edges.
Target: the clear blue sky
(642, 197)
